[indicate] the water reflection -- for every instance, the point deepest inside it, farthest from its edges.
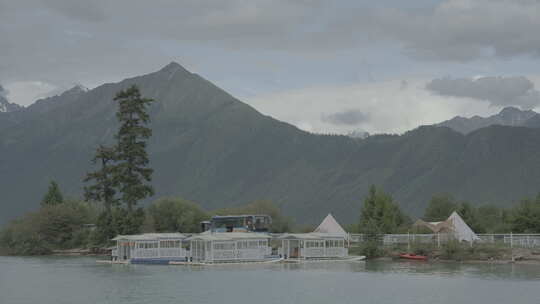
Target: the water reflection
(56, 280)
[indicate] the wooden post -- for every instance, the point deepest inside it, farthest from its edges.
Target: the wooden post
(438, 240)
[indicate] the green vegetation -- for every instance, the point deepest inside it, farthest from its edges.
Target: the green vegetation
(58, 226)
(439, 208)
(174, 214)
(53, 196)
(483, 219)
(525, 217)
(454, 250)
(123, 169)
(381, 215)
(131, 171)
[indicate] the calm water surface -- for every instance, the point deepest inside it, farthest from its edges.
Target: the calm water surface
(58, 280)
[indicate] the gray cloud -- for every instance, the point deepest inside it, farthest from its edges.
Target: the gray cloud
(463, 30)
(61, 41)
(498, 91)
(46, 39)
(347, 117)
(92, 11)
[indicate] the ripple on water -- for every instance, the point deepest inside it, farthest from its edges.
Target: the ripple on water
(60, 280)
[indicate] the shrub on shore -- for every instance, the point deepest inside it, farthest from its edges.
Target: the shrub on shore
(52, 227)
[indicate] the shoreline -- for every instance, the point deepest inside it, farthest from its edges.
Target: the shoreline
(390, 259)
(535, 262)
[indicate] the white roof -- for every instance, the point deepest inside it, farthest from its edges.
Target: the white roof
(150, 236)
(330, 225)
(228, 236)
(311, 236)
(462, 231)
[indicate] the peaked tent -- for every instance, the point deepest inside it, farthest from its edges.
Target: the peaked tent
(330, 225)
(462, 231)
(453, 225)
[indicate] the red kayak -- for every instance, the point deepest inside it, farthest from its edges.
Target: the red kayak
(412, 256)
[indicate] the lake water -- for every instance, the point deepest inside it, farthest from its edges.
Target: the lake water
(58, 280)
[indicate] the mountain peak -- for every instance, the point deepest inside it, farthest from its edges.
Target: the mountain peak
(516, 111)
(173, 67)
(509, 116)
(510, 109)
(77, 89)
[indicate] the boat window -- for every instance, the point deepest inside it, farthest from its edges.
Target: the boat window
(224, 246)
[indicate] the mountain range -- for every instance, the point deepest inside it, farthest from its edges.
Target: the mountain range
(209, 147)
(509, 116)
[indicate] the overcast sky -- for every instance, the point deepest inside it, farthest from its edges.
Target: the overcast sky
(325, 66)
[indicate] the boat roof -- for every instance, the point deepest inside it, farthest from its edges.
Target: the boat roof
(150, 236)
(311, 236)
(331, 226)
(228, 236)
(238, 216)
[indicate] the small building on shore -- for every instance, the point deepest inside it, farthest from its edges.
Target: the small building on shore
(454, 227)
(158, 248)
(223, 247)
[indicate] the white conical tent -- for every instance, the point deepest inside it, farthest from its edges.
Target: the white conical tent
(330, 225)
(462, 231)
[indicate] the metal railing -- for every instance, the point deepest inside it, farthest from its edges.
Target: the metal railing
(510, 239)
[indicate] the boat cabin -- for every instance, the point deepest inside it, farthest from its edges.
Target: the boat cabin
(222, 247)
(329, 240)
(241, 223)
(312, 246)
(150, 248)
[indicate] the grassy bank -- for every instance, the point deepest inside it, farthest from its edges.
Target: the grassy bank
(451, 251)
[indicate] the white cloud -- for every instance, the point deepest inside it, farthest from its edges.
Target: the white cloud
(25, 93)
(391, 108)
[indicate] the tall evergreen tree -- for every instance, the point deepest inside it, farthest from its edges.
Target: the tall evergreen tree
(53, 196)
(131, 171)
(103, 189)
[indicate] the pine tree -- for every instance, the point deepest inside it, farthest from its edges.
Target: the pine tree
(103, 188)
(131, 172)
(53, 196)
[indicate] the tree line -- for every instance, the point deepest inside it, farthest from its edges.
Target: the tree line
(380, 214)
